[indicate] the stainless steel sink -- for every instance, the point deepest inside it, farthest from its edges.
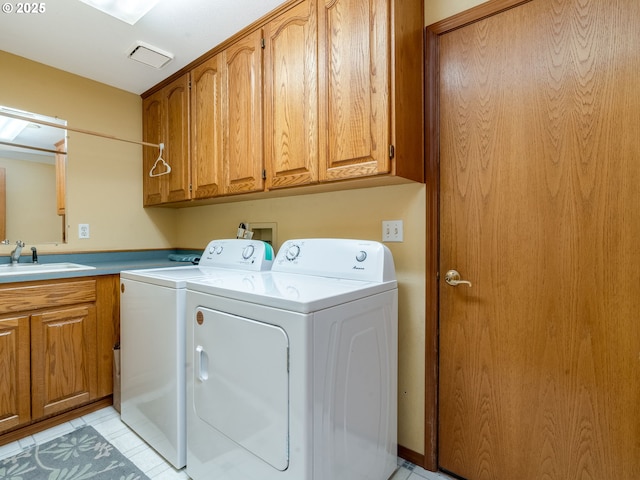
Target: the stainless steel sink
(38, 268)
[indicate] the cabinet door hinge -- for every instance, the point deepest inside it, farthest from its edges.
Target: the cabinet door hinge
(264, 174)
(262, 43)
(392, 151)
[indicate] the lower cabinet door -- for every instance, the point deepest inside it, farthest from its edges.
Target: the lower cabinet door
(15, 382)
(63, 358)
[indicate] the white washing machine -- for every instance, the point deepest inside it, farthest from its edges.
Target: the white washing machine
(153, 344)
(292, 373)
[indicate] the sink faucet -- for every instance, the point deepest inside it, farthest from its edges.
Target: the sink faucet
(15, 255)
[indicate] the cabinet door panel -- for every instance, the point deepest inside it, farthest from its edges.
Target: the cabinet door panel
(242, 115)
(15, 382)
(291, 97)
(152, 133)
(206, 129)
(63, 357)
(355, 88)
(177, 139)
(166, 120)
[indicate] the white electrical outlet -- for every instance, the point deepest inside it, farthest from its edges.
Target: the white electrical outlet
(83, 230)
(392, 231)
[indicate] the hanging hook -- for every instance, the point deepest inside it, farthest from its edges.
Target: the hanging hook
(162, 161)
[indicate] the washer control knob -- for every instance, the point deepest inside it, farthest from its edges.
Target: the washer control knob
(361, 256)
(292, 252)
(248, 251)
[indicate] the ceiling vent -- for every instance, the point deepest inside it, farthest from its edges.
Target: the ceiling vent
(152, 56)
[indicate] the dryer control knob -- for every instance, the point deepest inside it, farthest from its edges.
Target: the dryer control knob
(361, 256)
(292, 252)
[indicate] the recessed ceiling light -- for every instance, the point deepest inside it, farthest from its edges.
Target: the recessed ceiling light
(129, 11)
(10, 128)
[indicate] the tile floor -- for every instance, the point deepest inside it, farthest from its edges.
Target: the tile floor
(107, 423)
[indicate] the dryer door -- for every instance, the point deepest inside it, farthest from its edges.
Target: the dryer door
(241, 384)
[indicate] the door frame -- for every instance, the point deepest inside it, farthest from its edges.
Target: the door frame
(433, 32)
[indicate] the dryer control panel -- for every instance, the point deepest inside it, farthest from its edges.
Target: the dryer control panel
(335, 257)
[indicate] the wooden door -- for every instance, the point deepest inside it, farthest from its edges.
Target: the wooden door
(540, 358)
(291, 97)
(354, 85)
(242, 115)
(206, 129)
(63, 359)
(15, 378)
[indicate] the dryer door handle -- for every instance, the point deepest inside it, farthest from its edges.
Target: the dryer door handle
(202, 364)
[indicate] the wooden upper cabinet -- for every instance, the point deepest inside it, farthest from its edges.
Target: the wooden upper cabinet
(322, 91)
(166, 120)
(242, 115)
(291, 97)
(365, 101)
(355, 87)
(206, 129)
(153, 131)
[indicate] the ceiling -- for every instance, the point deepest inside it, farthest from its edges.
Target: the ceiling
(77, 38)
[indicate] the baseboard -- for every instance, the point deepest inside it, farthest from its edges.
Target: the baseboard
(38, 426)
(411, 456)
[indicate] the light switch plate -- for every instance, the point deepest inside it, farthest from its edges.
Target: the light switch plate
(392, 231)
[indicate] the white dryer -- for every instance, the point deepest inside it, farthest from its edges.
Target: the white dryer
(292, 373)
(153, 344)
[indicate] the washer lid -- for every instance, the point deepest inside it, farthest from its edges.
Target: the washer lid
(220, 255)
(171, 277)
(286, 291)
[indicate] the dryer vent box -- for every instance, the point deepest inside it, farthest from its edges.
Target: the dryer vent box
(267, 232)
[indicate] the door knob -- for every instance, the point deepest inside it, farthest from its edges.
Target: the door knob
(452, 277)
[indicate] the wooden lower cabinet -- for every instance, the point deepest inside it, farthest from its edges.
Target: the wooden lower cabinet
(63, 359)
(56, 340)
(15, 372)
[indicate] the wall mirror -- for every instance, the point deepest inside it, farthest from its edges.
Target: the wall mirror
(33, 159)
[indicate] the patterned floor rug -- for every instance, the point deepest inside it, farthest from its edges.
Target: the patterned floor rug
(80, 455)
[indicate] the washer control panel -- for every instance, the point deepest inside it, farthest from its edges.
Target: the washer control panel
(242, 254)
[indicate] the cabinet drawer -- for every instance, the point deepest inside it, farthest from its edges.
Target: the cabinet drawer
(38, 296)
